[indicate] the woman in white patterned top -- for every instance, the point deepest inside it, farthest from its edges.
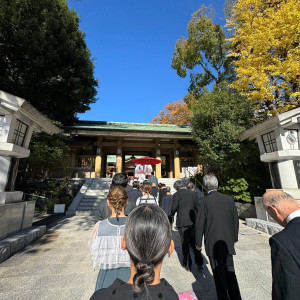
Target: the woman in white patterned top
(105, 242)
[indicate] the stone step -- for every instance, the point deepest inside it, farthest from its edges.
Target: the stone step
(95, 193)
(85, 213)
(95, 203)
(80, 207)
(89, 202)
(94, 197)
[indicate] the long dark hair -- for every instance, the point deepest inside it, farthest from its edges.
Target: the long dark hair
(148, 237)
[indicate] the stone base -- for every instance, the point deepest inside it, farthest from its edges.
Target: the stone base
(15, 217)
(15, 243)
(264, 226)
(260, 210)
(10, 197)
(245, 210)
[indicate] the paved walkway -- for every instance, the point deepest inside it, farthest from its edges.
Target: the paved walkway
(59, 266)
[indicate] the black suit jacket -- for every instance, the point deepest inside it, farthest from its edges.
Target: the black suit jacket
(154, 191)
(134, 194)
(216, 219)
(161, 193)
(285, 255)
(184, 204)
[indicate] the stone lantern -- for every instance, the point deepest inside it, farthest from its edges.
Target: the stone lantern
(278, 142)
(18, 120)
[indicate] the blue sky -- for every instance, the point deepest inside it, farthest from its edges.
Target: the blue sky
(132, 42)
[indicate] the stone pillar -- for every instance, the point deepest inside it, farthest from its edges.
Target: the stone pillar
(176, 160)
(98, 160)
(158, 156)
(119, 156)
(5, 166)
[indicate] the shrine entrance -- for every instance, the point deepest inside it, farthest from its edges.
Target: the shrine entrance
(112, 146)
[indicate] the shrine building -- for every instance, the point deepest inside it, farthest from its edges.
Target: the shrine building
(100, 149)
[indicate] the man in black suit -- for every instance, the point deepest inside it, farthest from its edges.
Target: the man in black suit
(154, 190)
(161, 192)
(184, 204)
(285, 245)
(217, 220)
(191, 186)
(135, 193)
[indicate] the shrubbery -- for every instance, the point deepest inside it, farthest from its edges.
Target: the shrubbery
(55, 193)
(238, 189)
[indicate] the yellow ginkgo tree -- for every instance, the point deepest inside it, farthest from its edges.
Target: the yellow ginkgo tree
(266, 47)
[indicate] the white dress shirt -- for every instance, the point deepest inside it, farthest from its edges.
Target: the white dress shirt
(293, 215)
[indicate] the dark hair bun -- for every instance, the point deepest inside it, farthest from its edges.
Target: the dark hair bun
(144, 275)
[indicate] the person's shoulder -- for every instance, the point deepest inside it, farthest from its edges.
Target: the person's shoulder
(217, 194)
(128, 188)
(115, 291)
(166, 291)
(286, 233)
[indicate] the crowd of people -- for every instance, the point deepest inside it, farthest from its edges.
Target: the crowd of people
(133, 234)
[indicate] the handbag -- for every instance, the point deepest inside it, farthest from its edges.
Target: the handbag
(189, 295)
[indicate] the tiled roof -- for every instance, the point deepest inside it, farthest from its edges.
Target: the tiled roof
(120, 126)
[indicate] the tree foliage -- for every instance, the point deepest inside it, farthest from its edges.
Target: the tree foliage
(204, 50)
(44, 58)
(266, 36)
(48, 149)
(218, 119)
(176, 112)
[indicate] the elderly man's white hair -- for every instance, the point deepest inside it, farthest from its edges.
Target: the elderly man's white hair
(275, 197)
(210, 182)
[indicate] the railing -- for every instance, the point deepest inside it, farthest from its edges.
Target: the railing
(33, 194)
(197, 181)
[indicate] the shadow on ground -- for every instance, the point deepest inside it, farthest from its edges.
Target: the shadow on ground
(204, 286)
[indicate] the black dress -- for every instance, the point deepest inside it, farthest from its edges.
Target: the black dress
(123, 291)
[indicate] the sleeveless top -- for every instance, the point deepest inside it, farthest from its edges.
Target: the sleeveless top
(106, 247)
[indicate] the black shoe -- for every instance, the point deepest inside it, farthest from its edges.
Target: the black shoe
(186, 267)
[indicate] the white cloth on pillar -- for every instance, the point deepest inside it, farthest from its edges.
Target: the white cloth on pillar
(142, 177)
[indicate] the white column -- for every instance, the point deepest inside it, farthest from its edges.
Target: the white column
(287, 174)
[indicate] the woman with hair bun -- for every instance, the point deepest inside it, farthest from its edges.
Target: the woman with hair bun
(147, 239)
(105, 242)
(147, 198)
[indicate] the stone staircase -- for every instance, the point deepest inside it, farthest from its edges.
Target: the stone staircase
(169, 182)
(91, 193)
(96, 189)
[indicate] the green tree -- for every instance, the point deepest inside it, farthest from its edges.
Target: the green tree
(205, 49)
(219, 116)
(44, 58)
(47, 151)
